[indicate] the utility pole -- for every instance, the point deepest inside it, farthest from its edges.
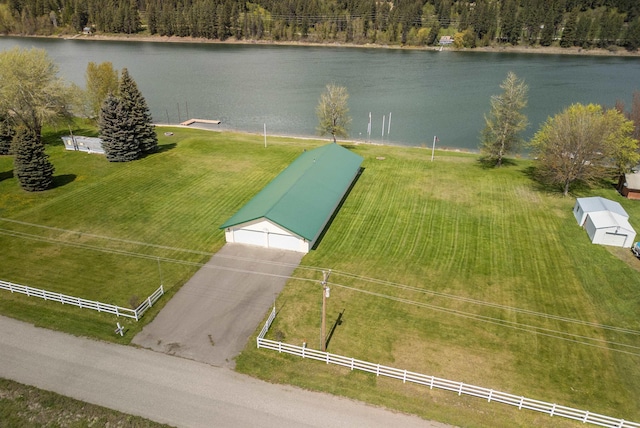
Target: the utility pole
(325, 294)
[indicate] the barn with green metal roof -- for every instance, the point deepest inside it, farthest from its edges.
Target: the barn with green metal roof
(291, 212)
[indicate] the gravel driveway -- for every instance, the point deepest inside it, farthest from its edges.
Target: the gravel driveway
(213, 315)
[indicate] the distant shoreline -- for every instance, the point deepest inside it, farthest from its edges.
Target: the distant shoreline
(540, 50)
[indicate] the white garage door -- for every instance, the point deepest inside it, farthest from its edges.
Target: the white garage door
(284, 242)
(251, 237)
(614, 239)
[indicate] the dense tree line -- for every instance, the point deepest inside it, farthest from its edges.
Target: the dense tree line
(584, 23)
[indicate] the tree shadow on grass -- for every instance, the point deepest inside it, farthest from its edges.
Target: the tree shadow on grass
(166, 147)
(161, 149)
(6, 175)
(64, 179)
(487, 163)
(578, 188)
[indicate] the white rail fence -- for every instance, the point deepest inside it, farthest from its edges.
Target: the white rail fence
(83, 303)
(461, 388)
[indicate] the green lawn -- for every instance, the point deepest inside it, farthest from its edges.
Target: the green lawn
(444, 268)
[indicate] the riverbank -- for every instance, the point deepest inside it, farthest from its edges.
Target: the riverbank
(544, 50)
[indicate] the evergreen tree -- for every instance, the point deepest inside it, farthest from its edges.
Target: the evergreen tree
(117, 132)
(583, 31)
(632, 35)
(6, 135)
(546, 37)
(506, 120)
(137, 112)
(510, 26)
(569, 33)
(31, 164)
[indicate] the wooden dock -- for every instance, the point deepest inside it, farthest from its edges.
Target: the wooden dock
(192, 121)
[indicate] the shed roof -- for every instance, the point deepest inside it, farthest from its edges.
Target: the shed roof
(302, 198)
(608, 219)
(596, 203)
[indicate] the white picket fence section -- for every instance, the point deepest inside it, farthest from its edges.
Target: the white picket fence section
(461, 388)
(83, 303)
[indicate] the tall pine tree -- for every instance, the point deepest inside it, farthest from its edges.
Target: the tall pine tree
(31, 164)
(117, 132)
(136, 108)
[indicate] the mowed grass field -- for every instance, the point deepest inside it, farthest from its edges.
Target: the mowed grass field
(444, 268)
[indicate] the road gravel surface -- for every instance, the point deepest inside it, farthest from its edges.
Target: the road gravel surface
(171, 389)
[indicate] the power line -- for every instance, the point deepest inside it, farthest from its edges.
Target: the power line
(496, 321)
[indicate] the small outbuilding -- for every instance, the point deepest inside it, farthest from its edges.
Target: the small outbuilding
(629, 185)
(83, 144)
(291, 212)
(609, 228)
(605, 221)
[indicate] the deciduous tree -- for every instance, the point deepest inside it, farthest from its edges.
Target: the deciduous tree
(101, 80)
(333, 112)
(6, 135)
(583, 143)
(501, 134)
(31, 164)
(30, 89)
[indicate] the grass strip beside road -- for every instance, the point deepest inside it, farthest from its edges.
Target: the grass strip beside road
(26, 406)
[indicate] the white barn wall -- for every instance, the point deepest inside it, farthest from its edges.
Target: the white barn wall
(266, 234)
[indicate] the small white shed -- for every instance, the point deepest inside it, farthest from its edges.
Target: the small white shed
(585, 206)
(609, 228)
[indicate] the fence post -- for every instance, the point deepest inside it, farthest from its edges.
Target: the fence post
(460, 389)
(490, 394)
(553, 409)
(404, 379)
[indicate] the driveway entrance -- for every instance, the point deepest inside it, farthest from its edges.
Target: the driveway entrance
(213, 315)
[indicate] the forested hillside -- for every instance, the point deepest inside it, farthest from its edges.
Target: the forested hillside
(565, 23)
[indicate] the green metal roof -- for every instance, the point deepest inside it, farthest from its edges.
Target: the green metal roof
(303, 197)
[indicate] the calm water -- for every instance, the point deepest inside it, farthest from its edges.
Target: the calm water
(427, 93)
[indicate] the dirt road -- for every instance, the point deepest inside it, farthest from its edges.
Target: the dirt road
(170, 389)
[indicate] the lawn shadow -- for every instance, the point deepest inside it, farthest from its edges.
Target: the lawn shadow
(166, 147)
(63, 180)
(6, 175)
(577, 189)
(333, 329)
(335, 212)
(486, 163)
(161, 149)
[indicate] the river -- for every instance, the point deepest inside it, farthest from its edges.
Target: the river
(422, 93)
